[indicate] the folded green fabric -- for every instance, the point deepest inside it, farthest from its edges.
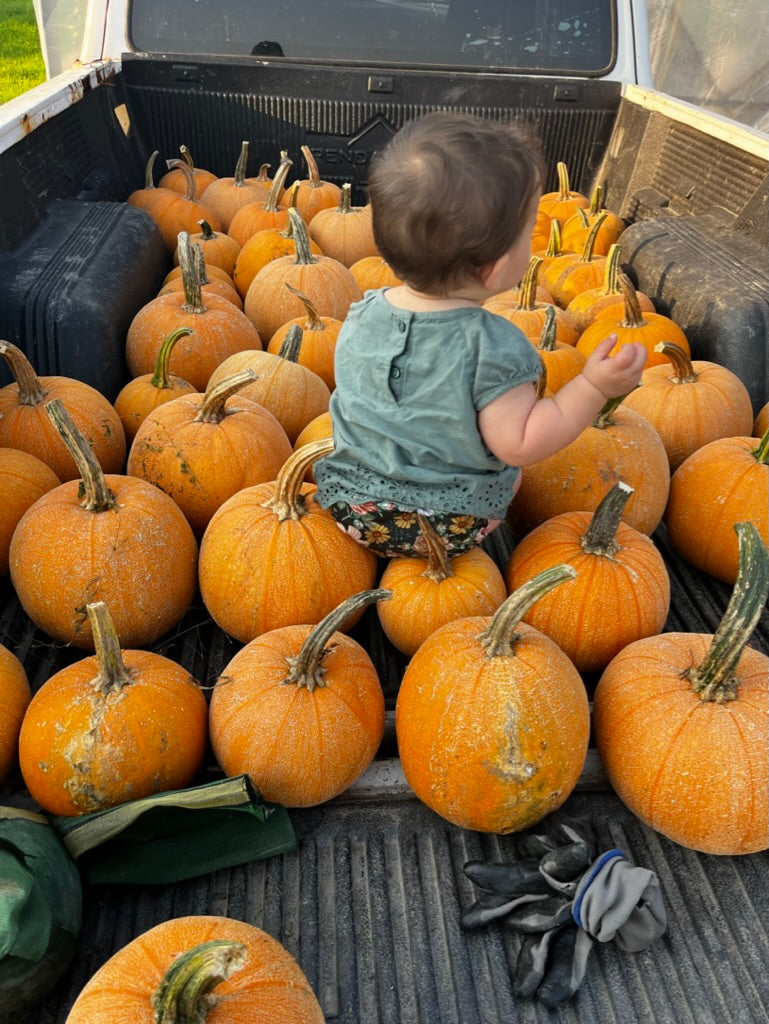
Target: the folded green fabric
(177, 835)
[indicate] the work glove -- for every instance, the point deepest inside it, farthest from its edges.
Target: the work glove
(563, 899)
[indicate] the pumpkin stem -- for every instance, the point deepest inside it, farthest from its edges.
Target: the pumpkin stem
(113, 673)
(314, 322)
(312, 167)
(438, 561)
(97, 495)
(596, 200)
(31, 390)
(207, 233)
(587, 251)
(301, 238)
(161, 378)
(554, 240)
(564, 188)
(683, 371)
(604, 417)
(633, 315)
(291, 345)
(306, 668)
(499, 637)
(287, 502)
(187, 156)
(761, 454)
(193, 264)
(600, 537)
(188, 173)
(239, 178)
(610, 282)
(183, 995)
(528, 291)
(345, 200)
(264, 174)
(271, 203)
(212, 408)
(149, 170)
(714, 679)
(547, 338)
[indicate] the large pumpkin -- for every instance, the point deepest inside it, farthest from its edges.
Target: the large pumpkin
(300, 709)
(108, 537)
(113, 727)
(24, 423)
(16, 695)
(23, 479)
(723, 483)
(492, 718)
(622, 590)
(206, 969)
(203, 448)
(430, 590)
(620, 444)
(272, 556)
(680, 723)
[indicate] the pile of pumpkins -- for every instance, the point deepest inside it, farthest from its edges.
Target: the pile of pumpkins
(198, 479)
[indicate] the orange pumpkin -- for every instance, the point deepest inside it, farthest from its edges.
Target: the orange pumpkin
(620, 444)
(17, 694)
(326, 282)
(203, 448)
(219, 329)
(492, 718)
(293, 393)
(429, 591)
(312, 193)
(540, 234)
(723, 483)
(206, 968)
(140, 396)
(272, 556)
(23, 479)
(691, 403)
(176, 179)
(572, 273)
(527, 313)
(680, 724)
(261, 249)
(622, 590)
(108, 538)
(578, 226)
(209, 288)
(563, 203)
(300, 709)
(633, 325)
(345, 232)
(318, 429)
(373, 272)
(583, 309)
(228, 195)
(24, 423)
(265, 213)
(174, 212)
(117, 726)
(761, 422)
(562, 362)
(219, 249)
(319, 334)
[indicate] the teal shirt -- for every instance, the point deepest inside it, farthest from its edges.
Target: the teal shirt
(409, 387)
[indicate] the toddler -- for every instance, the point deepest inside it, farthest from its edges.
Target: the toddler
(435, 410)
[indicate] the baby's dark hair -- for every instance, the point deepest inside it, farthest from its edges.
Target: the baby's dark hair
(450, 193)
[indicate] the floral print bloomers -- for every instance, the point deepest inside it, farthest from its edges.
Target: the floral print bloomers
(391, 530)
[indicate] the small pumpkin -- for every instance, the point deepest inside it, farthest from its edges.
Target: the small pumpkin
(218, 328)
(622, 589)
(203, 448)
(572, 273)
(16, 694)
(272, 556)
(143, 394)
(328, 284)
(432, 589)
(23, 479)
(113, 727)
(586, 305)
(293, 393)
(761, 422)
(723, 483)
(174, 212)
(690, 403)
(262, 248)
(265, 213)
(492, 718)
(344, 232)
(102, 537)
(208, 969)
(24, 423)
(527, 313)
(219, 249)
(373, 272)
(564, 202)
(313, 193)
(562, 362)
(578, 226)
(319, 335)
(680, 723)
(228, 195)
(300, 709)
(215, 287)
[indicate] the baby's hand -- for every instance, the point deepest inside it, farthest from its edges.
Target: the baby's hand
(618, 374)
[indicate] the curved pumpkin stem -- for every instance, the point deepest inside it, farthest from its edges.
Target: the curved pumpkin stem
(589, 246)
(188, 173)
(314, 322)
(438, 560)
(161, 378)
(499, 637)
(306, 668)
(113, 674)
(271, 203)
(761, 453)
(31, 390)
(312, 167)
(714, 679)
(604, 417)
(683, 371)
(633, 315)
(183, 995)
(554, 241)
(611, 270)
(301, 237)
(239, 178)
(600, 538)
(287, 502)
(212, 408)
(527, 298)
(97, 495)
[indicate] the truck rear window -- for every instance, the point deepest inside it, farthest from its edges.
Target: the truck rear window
(546, 36)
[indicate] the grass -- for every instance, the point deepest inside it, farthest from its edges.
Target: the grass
(21, 60)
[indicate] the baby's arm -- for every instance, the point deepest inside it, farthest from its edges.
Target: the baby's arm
(521, 430)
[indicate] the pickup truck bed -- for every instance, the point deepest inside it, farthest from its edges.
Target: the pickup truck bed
(370, 902)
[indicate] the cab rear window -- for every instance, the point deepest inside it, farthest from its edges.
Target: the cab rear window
(537, 36)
